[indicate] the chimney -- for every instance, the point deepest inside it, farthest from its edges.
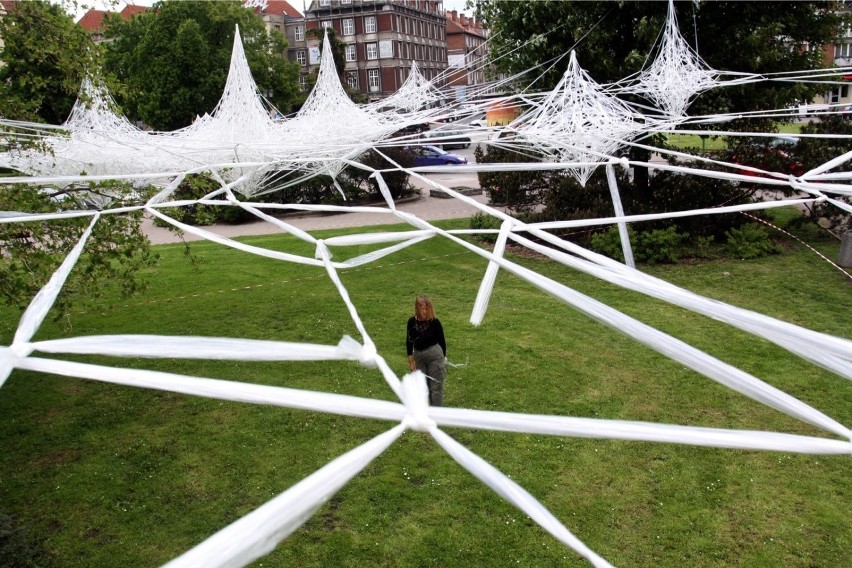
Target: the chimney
(454, 15)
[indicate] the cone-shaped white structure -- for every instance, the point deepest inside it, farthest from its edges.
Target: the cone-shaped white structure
(240, 115)
(580, 122)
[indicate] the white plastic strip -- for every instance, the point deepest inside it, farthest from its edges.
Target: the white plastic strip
(626, 249)
(637, 431)
(41, 304)
(673, 214)
(188, 347)
(232, 243)
(375, 238)
(483, 296)
(831, 352)
(259, 532)
(222, 390)
(669, 346)
(516, 495)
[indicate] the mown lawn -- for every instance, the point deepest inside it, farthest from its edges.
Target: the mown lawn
(103, 475)
(713, 143)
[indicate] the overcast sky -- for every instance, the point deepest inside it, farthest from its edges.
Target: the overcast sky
(84, 5)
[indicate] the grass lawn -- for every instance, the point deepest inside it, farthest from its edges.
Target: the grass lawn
(693, 141)
(104, 475)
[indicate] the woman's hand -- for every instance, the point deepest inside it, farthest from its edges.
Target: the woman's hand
(411, 364)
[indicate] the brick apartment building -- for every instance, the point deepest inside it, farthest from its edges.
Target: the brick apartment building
(382, 39)
(465, 52)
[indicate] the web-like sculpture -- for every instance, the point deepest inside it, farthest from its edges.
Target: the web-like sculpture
(578, 123)
(677, 74)
(416, 93)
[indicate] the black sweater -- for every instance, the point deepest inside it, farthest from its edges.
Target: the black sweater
(420, 340)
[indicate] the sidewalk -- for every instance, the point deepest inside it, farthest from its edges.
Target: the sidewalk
(427, 208)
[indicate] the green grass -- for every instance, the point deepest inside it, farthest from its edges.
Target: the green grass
(103, 475)
(693, 141)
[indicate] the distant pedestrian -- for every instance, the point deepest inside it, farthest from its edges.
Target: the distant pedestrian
(427, 348)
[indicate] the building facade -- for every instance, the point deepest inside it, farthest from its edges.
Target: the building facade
(382, 38)
(466, 52)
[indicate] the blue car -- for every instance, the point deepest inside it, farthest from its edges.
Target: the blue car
(434, 156)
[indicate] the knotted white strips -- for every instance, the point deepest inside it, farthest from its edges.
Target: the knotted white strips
(677, 74)
(580, 122)
(579, 125)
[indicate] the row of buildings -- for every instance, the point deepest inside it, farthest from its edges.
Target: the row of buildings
(381, 40)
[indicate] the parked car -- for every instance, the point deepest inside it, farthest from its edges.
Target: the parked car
(434, 156)
(447, 139)
(775, 154)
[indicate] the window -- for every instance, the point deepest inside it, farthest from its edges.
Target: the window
(838, 93)
(325, 2)
(350, 52)
(303, 83)
(345, 1)
(370, 24)
(326, 24)
(348, 26)
(842, 50)
(299, 33)
(373, 79)
(352, 79)
(372, 51)
(301, 58)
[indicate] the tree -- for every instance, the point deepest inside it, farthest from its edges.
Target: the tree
(44, 59)
(813, 152)
(170, 63)
(31, 252)
(42, 63)
(613, 39)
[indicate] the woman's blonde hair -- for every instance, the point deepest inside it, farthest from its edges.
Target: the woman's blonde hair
(423, 308)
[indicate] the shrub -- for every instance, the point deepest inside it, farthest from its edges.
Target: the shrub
(608, 243)
(750, 241)
(812, 152)
(659, 246)
(397, 181)
(194, 186)
(670, 191)
(480, 221)
(520, 191)
(652, 247)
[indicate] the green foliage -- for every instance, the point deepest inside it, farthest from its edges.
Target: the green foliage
(356, 183)
(813, 152)
(116, 252)
(483, 221)
(750, 241)
(170, 63)
(192, 187)
(397, 180)
(519, 190)
(42, 63)
(670, 191)
(657, 246)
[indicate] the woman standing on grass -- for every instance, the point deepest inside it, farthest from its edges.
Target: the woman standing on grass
(427, 349)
